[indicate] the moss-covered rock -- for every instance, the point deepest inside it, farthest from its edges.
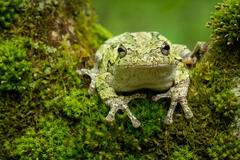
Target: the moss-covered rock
(39, 55)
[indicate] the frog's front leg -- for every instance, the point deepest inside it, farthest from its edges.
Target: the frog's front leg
(170, 94)
(110, 98)
(177, 93)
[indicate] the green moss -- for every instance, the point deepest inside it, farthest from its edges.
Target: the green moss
(183, 153)
(52, 140)
(225, 24)
(100, 35)
(10, 11)
(14, 67)
(225, 147)
(52, 70)
(73, 104)
(92, 137)
(118, 139)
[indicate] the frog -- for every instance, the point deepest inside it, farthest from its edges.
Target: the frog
(134, 61)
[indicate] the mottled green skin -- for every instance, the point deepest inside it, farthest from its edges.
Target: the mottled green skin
(143, 52)
(144, 65)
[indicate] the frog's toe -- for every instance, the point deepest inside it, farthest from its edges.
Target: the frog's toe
(155, 98)
(110, 118)
(189, 115)
(162, 95)
(168, 121)
(91, 90)
(136, 123)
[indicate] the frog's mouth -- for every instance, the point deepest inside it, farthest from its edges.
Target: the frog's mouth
(158, 77)
(158, 66)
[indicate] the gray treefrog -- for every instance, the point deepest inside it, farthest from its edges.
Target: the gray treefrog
(141, 60)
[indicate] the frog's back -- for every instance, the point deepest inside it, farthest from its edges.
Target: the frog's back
(137, 38)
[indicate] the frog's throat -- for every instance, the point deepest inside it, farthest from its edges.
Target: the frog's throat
(158, 77)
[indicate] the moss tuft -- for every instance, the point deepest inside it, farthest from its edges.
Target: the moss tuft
(225, 147)
(225, 23)
(10, 11)
(183, 153)
(14, 66)
(51, 140)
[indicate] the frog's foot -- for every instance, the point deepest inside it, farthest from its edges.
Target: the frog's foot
(93, 73)
(162, 95)
(136, 123)
(169, 119)
(187, 111)
(117, 104)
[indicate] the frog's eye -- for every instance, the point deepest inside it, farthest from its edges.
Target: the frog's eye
(165, 48)
(122, 51)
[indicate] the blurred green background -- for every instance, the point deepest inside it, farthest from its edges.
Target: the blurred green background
(181, 21)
